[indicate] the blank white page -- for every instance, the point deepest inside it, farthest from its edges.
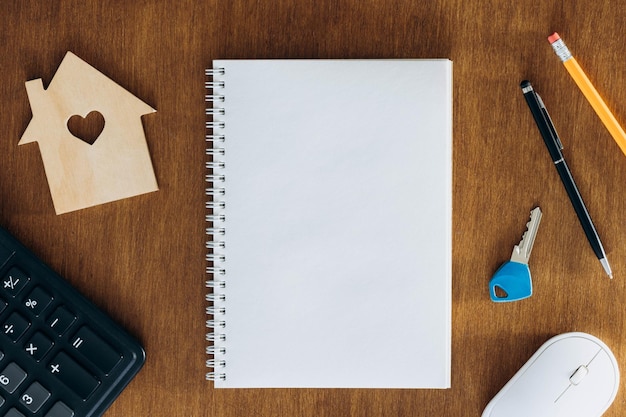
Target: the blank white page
(338, 211)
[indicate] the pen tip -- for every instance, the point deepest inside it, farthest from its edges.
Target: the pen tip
(607, 267)
(524, 84)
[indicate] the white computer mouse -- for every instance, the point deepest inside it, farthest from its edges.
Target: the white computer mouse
(572, 374)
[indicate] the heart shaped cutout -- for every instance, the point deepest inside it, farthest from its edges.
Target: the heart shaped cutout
(87, 129)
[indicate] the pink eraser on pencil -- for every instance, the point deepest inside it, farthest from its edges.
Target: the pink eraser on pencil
(554, 37)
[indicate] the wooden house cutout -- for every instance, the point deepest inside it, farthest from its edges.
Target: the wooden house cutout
(117, 165)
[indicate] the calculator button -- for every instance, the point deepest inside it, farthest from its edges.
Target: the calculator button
(37, 301)
(3, 305)
(12, 377)
(34, 397)
(15, 326)
(61, 320)
(38, 346)
(73, 375)
(14, 413)
(14, 281)
(95, 349)
(2, 400)
(60, 410)
(5, 254)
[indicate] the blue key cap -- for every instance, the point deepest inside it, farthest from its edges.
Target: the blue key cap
(511, 282)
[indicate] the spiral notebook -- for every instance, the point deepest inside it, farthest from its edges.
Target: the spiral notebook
(330, 211)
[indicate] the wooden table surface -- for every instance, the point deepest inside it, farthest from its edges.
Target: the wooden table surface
(142, 259)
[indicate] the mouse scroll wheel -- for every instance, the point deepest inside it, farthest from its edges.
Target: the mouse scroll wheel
(578, 375)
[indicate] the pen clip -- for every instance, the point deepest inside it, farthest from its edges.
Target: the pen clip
(546, 115)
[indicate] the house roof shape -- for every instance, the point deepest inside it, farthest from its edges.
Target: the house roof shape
(76, 85)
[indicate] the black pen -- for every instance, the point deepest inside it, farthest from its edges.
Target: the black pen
(553, 143)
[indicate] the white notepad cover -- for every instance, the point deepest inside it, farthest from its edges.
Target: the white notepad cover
(337, 223)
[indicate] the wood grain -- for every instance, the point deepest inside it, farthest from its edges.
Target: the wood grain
(80, 173)
(142, 259)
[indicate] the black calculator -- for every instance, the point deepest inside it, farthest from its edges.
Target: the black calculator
(60, 356)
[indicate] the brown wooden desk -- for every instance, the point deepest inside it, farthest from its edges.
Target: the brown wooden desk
(142, 259)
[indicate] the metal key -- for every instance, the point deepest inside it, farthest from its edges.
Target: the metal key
(512, 280)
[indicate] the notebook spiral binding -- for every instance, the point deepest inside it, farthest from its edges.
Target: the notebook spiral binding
(216, 225)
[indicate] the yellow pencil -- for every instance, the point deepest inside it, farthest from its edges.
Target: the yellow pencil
(579, 76)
